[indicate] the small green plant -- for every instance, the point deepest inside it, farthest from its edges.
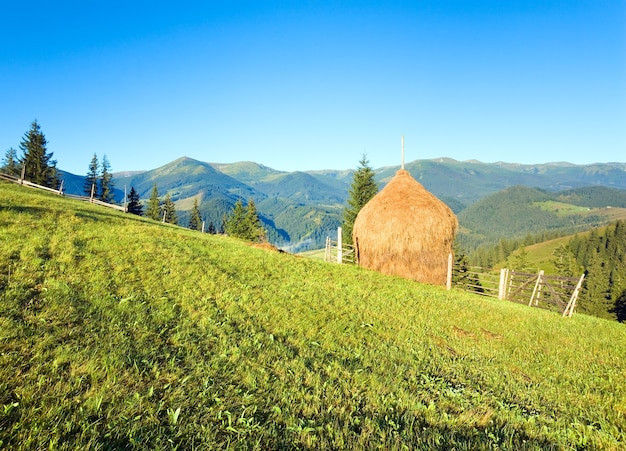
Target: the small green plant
(173, 415)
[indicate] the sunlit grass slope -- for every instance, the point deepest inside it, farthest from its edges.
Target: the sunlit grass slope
(120, 333)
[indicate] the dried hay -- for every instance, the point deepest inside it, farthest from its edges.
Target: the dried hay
(406, 231)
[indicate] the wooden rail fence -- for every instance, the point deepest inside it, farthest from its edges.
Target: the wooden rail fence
(556, 293)
(60, 192)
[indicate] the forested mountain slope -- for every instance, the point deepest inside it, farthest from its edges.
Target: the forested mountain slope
(519, 211)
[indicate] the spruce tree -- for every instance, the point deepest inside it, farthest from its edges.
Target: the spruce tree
(106, 181)
(154, 205)
(520, 261)
(620, 308)
(91, 179)
(234, 224)
(169, 210)
(594, 297)
(39, 167)
(603, 255)
(564, 262)
(463, 277)
(134, 204)
(244, 222)
(211, 228)
(254, 230)
(195, 221)
(10, 164)
(363, 188)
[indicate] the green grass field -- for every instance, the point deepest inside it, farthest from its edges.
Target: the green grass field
(117, 332)
(316, 254)
(561, 208)
(540, 256)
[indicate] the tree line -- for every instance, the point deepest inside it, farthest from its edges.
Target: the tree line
(603, 255)
(241, 222)
(36, 164)
(99, 180)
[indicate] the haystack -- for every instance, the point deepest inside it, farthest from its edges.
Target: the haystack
(406, 231)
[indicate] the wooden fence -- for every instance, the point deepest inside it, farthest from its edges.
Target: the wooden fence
(550, 292)
(337, 252)
(556, 293)
(477, 280)
(59, 191)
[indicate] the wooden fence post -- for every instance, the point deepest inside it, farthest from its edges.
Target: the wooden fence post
(510, 283)
(569, 309)
(504, 272)
(449, 276)
(339, 246)
(536, 290)
(327, 250)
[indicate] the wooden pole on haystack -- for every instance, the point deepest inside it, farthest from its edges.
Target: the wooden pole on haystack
(402, 151)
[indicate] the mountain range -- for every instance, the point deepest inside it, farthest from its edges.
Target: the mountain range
(300, 209)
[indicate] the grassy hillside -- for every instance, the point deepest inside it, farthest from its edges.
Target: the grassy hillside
(120, 333)
(539, 256)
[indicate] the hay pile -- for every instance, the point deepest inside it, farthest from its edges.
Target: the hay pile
(406, 231)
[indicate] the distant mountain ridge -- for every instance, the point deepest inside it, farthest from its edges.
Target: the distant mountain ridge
(301, 208)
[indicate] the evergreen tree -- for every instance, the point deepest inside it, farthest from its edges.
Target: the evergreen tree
(462, 277)
(39, 167)
(520, 261)
(134, 204)
(620, 308)
(106, 181)
(234, 224)
(154, 205)
(244, 223)
(254, 228)
(195, 221)
(594, 297)
(169, 210)
(10, 164)
(603, 255)
(91, 179)
(564, 262)
(363, 188)
(211, 228)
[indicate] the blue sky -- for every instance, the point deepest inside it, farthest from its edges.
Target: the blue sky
(315, 84)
